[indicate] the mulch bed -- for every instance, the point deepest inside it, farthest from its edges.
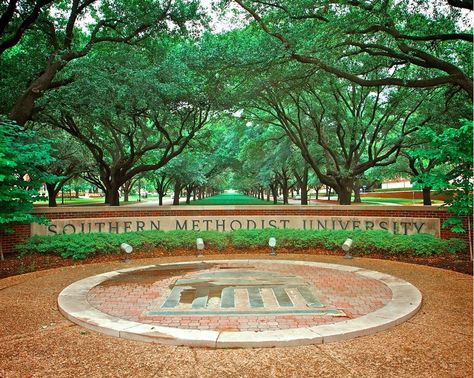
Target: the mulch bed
(15, 264)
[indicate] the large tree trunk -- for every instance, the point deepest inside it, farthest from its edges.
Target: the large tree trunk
(344, 190)
(177, 192)
(304, 195)
(113, 198)
(111, 186)
(427, 196)
(160, 198)
(127, 186)
(285, 190)
(162, 185)
(274, 190)
(304, 186)
(189, 193)
(25, 105)
(52, 193)
(357, 198)
(344, 197)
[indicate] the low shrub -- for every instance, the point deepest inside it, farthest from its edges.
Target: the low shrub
(81, 246)
(364, 242)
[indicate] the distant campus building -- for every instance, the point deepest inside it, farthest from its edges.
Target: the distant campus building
(397, 183)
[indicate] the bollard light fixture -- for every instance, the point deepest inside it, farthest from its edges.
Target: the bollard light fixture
(346, 248)
(272, 243)
(199, 246)
(127, 249)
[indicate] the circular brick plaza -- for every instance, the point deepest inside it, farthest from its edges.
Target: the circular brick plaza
(240, 303)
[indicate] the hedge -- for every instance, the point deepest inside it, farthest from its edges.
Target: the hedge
(81, 246)
(364, 242)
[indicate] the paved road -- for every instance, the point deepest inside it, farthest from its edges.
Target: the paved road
(166, 201)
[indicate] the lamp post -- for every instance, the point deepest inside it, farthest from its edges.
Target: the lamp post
(346, 247)
(272, 243)
(199, 246)
(127, 249)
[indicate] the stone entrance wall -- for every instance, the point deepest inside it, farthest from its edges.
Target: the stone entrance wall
(85, 219)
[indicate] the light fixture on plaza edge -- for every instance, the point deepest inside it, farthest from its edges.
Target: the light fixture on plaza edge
(346, 247)
(272, 243)
(199, 246)
(127, 249)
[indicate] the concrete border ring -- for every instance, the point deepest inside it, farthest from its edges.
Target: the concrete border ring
(406, 301)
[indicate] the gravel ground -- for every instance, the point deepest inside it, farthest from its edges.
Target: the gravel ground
(36, 341)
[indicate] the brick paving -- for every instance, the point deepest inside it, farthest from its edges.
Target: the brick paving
(37, 341)
(278, 302)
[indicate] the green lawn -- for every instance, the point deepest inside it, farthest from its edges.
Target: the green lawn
(95, 200)
(231, 199)
(74, 201)
(397, 201)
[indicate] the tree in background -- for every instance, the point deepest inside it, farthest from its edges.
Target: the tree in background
(424, 46)
(22, 158)
(71, 159)
(65, 32)
(126, 132)
(354, 128)
(452, 148)
(162, 182)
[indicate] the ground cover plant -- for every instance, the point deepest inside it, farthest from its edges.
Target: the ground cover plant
(81, 246)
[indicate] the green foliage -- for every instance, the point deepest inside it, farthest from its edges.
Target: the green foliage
(22, 156)
(453, 149)
(187, 239)
(81, 246)
(365, 242)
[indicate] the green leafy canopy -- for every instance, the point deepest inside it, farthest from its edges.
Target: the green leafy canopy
(22, 154)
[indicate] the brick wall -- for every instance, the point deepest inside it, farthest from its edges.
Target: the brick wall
(22, 231)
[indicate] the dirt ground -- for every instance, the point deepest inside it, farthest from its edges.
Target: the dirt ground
(37, 341)
(15, 264)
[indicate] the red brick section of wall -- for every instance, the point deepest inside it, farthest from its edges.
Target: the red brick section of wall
(407, 195)
(22, 231)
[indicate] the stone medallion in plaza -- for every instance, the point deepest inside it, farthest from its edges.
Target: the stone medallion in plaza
(241, 302)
